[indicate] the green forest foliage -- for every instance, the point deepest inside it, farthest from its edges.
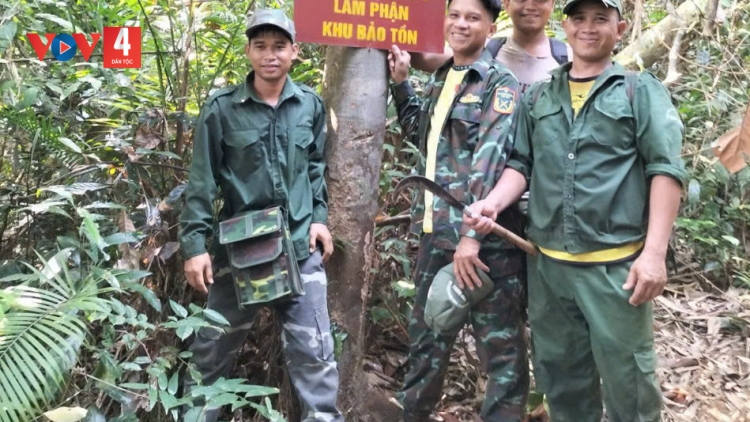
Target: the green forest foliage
(93, 162)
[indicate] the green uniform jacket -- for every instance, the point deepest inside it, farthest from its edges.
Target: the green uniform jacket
(475, 142)
(589, 175)
(259, 156)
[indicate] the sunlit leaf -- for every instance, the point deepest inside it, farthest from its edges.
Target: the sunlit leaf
(66, 414)
(56, 19)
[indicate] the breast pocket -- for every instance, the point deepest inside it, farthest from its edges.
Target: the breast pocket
(612, 122)
(550, 122)
(302, 137)
(464, 123)
(244, 149)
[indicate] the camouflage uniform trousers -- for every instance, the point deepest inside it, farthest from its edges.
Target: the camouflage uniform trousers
(305, 336)
(499, 331)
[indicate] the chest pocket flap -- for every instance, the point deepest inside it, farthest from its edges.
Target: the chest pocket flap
(302, 134)
(544, 108)
(614, 106)
(242, 138)
(467, 112)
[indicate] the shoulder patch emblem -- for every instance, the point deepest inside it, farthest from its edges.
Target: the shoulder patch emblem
(469, 99)
(505, 100)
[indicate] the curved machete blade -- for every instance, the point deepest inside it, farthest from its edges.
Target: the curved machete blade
(427, 184)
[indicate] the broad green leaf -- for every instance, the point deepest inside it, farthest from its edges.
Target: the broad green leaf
(29, 97)
(130, 366)
(222, 400)
(70, 144)
(168, 154)
(147, 294)
(184, 332)
(173, 383)
(105, 205)
(130, 275)
(167, 400)
(94, 415)
(118, 238)
(194, 415)
(135, 386)
(142, 360)
(7, 32)
(127, 417)
(215, 317)
(82, 188)
(694, 192)
(95, 82)
(162, 379)
(178, 309)
(55, 88)
(153, 398)
(70, 89)
(56, 19)
(731, 239)
(90, 229)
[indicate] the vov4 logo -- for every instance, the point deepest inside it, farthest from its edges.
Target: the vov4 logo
(121, 46)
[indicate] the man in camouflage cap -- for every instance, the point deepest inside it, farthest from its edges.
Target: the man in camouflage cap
(260, 144)
(462, 125)
(599, 148)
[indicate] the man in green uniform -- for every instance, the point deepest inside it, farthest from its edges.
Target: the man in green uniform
(529, 53)
(600, 150)
(261, 144)
(462, 125)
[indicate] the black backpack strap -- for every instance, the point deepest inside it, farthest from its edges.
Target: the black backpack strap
(559, 50)
(537, 92)
(631, 83)
(495, 45)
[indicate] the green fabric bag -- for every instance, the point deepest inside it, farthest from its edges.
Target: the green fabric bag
(448, 306)
(261, 254)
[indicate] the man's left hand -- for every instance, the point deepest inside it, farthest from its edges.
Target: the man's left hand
(464, 260)
(319, 233)
(648, 275)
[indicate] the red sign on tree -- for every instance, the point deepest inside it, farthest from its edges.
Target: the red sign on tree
(413, 25)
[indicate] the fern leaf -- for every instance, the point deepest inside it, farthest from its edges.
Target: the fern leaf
(40, 336)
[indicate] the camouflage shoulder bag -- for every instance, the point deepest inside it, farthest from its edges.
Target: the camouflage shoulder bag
(261, 254)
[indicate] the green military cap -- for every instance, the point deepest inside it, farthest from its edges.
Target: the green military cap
(448, 305)
(275, 17)
(617, 4)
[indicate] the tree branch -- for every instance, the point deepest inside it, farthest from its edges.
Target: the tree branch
(673, 74)
(708, 24)
(637, 21)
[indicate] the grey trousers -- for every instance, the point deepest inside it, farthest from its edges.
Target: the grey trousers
(305, 336)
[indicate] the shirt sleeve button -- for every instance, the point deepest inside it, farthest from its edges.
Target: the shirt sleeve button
(571, 156)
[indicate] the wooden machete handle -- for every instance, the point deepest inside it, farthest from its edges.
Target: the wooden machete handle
(515, 239)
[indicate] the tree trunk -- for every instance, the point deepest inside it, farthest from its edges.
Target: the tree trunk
(355, 92)
(654, 43)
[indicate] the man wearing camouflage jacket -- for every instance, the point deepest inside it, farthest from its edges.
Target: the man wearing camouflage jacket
(261, 143)
(462, 125)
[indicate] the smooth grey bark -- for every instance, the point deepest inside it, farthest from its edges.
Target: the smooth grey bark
(355, 92)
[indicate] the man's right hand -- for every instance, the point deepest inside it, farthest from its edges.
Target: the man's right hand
(484, 213)
(199, 272)
(398, 63)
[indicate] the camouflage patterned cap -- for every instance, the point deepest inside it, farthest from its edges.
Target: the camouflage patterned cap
(275, 17)
(617, 4)
(448, 306)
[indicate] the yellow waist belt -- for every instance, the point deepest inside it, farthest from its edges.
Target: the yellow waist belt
(601, 256)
